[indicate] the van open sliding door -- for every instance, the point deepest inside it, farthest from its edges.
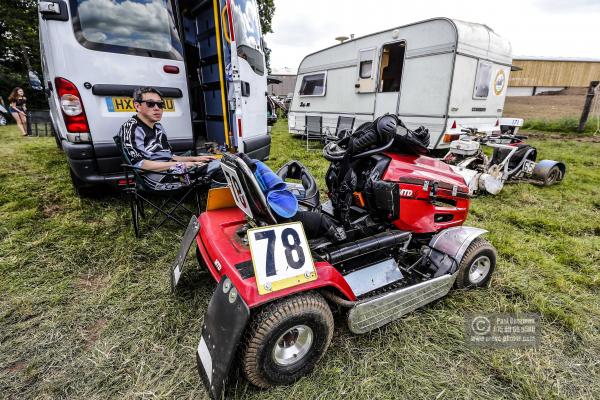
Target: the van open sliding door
(224, 46)
(206, 71)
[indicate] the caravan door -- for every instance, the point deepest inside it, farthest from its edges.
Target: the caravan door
(391, 64)
(249, 77)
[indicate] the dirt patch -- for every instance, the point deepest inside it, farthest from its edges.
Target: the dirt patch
(91, 282)
(555, 136)
(92, 332)
(544, 107)
(18, 366)
(50, 210)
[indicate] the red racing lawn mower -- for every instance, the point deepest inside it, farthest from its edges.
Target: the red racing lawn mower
(389, 240)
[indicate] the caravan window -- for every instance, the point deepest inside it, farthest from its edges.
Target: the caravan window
(482, 80)
(390, 72)
(365, 66)
(313, 85)
(140, 27)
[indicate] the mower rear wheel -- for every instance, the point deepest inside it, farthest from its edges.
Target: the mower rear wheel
(555, 175)
(477, 265)
(286, 339)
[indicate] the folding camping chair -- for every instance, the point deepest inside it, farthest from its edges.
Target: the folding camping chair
(172, 199)
(313, 130)
(344, 124)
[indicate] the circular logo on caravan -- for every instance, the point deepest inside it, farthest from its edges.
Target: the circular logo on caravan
(499, 82)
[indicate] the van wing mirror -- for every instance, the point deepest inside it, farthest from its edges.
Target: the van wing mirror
(34, 81)
(55, 10)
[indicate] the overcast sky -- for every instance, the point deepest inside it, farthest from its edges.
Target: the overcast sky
(534, 27)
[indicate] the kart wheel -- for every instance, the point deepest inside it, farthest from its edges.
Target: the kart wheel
(555, 175)
(286, 339)
(477, 265)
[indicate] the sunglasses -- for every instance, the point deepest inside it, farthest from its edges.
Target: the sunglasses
(151, 104)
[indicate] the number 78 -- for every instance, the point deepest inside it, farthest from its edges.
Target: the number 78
(291, 242)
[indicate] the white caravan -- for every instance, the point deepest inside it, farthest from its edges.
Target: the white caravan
(443, 74)
(206, 57)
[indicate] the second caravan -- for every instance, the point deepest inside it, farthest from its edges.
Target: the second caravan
(444, 74)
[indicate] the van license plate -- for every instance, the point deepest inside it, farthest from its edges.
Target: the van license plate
(125, 104)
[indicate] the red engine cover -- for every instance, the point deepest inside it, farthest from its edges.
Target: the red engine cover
(419, 211)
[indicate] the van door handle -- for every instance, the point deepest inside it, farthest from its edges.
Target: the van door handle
(245, 89)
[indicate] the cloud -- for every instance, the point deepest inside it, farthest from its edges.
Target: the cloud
(534, 27)
(127, 23)
(573, 6)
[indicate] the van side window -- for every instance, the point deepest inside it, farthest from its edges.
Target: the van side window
(313, 85)
(390, 71)
(482, 80)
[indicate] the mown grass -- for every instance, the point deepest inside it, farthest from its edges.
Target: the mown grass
(86, 312)
(562, 125)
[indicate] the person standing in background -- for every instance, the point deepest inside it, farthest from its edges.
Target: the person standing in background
(18, 107)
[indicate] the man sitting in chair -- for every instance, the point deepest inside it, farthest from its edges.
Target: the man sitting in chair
(145, 143)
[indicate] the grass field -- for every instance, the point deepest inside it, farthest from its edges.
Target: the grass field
(86, 313)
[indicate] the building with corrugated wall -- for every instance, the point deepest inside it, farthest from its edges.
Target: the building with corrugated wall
(288, 82)
(542, 75)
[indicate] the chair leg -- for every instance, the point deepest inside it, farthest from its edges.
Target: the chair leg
(134, 205)
(197, 196)
(141, 208)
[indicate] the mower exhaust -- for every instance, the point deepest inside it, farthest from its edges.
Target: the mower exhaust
(377, 242)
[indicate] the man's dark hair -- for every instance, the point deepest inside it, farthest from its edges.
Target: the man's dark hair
(137, 93)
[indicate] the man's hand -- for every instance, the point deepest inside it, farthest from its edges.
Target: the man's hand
(193, 164)
(203, 159)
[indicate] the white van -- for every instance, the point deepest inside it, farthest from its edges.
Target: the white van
(441, 73)
(206, 57)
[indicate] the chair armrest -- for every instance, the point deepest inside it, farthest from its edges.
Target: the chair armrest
(131, 167)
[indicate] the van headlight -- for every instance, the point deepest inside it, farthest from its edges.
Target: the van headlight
(291, 121)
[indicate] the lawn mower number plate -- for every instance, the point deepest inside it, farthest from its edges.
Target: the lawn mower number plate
(281, 257)
(236, 189)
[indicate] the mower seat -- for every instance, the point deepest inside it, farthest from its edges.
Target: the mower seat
(524, 151)
(307, 191)
(249, 191)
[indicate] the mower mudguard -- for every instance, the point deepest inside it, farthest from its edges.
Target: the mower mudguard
(543, 167)
(452, 243)
(184, 247)
(224, 323)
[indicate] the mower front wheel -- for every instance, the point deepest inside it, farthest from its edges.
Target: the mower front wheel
(477, 265)
(286, 339)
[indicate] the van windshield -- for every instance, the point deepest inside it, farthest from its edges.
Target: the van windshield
(140, 27)
(246, 27)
